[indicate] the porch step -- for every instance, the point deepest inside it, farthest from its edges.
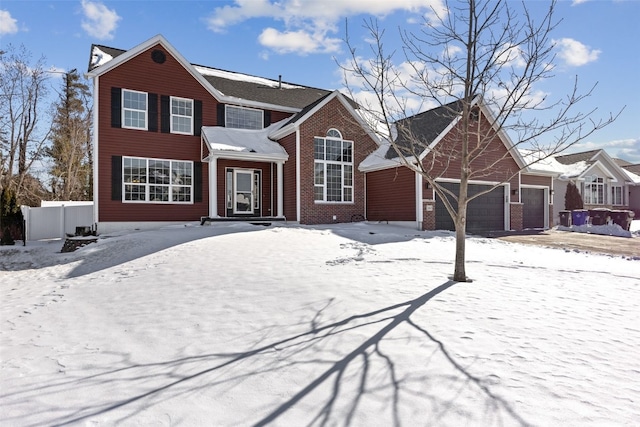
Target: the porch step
(262, 220)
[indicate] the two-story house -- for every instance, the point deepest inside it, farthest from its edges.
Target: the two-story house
(176, 142)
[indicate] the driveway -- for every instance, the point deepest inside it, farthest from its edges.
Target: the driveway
(579, 241)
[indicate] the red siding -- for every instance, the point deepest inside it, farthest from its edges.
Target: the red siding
(535, 180)
(170, 78)
(332, 115)
(141, 73)
(391, 195)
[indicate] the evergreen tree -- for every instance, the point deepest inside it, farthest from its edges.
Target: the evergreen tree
(70, 151)
(10, 217)
(572, 198)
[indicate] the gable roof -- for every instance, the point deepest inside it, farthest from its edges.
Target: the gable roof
(292, 123)
(585, 156)
(428, 125)
(632, 168)
(226, 86)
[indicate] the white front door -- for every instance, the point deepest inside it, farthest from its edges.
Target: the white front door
(244, 191)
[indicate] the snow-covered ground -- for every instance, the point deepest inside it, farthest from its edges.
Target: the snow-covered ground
(351, 324)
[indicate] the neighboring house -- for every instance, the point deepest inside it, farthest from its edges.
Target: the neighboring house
(633, 172)
(176, 142)
(599, 178)
(396, 193)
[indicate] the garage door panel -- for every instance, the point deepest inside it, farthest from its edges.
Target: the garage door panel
(533, 207)
(485, 213)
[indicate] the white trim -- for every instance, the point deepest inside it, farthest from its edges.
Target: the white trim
(547, 198)
(602, 168)
(418, 198)
(213, 188)
(234, 193)
(160, 40)
(288, 129)
(244, 155)
(96, 105)
(148, 184)
(123, 109)
(280, 180)
(439, 138)
(298, 197)
(171, 115)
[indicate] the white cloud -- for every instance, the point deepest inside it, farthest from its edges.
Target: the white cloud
(309, 23)
(626, 149)
(300, 41)
(99, 22)
(577, 2)
(575, 53)
(8, 25)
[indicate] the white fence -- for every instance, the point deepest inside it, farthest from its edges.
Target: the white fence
(53, 222)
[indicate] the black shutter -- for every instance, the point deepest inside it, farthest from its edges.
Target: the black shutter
(116, 178)
(197, 181)
(197, 117)
(116, 103)
(267, 118)
(153, 112)
(221, 115)
(165, 114)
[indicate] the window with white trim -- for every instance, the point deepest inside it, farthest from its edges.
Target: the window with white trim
(594, 190)
(134, 109)
(181, 115)
(616, 196)
(243, 118)
(333, 168)
(157, 180)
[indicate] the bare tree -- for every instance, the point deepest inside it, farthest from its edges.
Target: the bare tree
(23, 91)
(70, 137)
(478, 63)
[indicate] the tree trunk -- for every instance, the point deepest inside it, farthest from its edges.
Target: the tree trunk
(459, 273)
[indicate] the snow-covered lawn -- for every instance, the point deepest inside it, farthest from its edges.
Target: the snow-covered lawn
(352, 324)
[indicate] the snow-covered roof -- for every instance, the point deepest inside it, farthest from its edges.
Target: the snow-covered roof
(244, 142)
(230, 75)
(378, 160)
(99, 57)
(632, 176)
(550, 164)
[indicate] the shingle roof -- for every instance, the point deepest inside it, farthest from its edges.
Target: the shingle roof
(569, 159)
(633, 168)
(244, 86)
(427, 125)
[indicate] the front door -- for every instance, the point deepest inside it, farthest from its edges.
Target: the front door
(243, 192)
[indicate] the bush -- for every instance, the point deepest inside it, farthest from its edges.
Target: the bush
(11, 220)
(572, 198)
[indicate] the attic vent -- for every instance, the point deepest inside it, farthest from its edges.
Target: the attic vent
(158, 56)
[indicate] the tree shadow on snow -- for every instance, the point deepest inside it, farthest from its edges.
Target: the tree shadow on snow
(335, 383)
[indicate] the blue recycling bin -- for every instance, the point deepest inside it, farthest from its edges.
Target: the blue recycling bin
(579, 216)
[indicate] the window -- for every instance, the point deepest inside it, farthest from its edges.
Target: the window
(181, 116)
(594, 190)
(157, 180)
(333, 168)
(243, 118)
(134, 109)
(616, 196)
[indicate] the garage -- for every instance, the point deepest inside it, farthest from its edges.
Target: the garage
(533, 207)
(486, 213)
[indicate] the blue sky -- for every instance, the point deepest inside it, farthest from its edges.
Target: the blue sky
(302, 40)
